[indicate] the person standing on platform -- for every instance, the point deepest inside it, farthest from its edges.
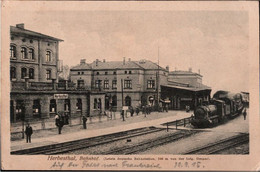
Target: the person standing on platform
(137, 111)
(84, 119)
(244, 114)
(131, 111)
(28, 133)
(123, 115)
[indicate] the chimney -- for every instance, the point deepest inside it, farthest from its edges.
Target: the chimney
(21, 25)
(129, 59)
(104, 60)
(124, 60)
(167, 68)
(190, 69)
(82, 61)
(96, 62)
(199, 71)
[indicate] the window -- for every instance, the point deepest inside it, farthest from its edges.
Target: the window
(114, 72)
(97, 73)
(105, 73)
(82, 73)
(80, 83)
(125, 72)
(78, 73)
(48, 74)
(106, 84)
(98, 83)
(114, 84)
(67, 105)
(12, 51)
(128, 101)
(13, 72)
(31, 54)
(48, 56)
(128, 84)
(150, 84)
(23, 73)
(79, 105)
(24, 53)
(53, 105)
(36, 107)
(31, 73)
(130, 72)
(114, 100)
(95, 104)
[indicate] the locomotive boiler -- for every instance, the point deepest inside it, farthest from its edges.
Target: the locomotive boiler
(224, 105)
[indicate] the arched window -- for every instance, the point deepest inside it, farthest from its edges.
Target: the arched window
(23, 73)
(53, 105)
(99, 104)
(13, 72)
(48, 74)
(79, 104)
(31, 54)
(95, 103)
(31, 73)
(12, 51)
(127, 101)
(24, 53)
(36, 108)
(48, 56)
(114, 100)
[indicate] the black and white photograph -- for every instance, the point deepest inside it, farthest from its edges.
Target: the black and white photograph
(130, 86)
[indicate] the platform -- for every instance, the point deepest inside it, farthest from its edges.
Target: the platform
(153, 119)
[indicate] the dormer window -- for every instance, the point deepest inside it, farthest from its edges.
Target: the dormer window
(48, 56)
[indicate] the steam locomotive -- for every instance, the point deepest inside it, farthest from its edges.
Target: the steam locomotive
(224, 105)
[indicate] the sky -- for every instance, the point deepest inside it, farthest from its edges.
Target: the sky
(214, 42)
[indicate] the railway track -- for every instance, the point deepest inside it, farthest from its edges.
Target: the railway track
(85, 143)
(221, 145)
(150, 143)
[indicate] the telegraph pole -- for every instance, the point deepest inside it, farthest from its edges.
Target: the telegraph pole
(122, 92)
(158, 81)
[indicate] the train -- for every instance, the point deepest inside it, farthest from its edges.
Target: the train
(224, 105)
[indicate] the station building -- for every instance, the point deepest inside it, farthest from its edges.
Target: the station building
(185, 88)
(36, 94)
(124, 83)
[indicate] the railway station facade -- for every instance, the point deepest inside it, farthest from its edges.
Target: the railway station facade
(37, 95)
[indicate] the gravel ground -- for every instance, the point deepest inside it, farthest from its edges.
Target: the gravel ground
(135, 140)
(236, 150)
(229, 129)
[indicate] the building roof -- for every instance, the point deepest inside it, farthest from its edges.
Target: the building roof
(181, 72)
(84, 66)
(149, 65)
(114, 65)
(100, 65)
(25, 32)
(201, 88)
